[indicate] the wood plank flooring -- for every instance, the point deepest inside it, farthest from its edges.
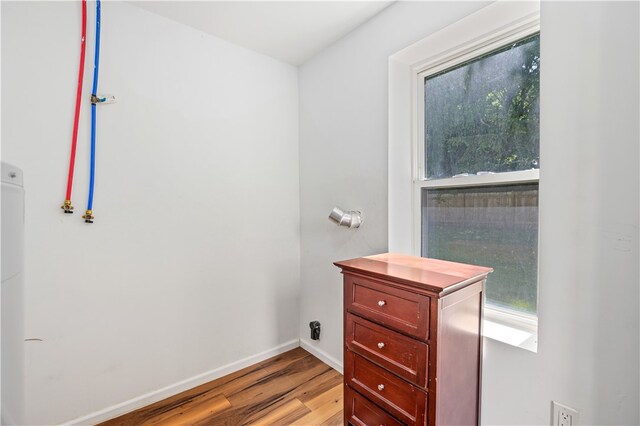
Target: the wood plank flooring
(293, 388)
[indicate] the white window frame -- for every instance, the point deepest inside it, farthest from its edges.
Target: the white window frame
(487, 30)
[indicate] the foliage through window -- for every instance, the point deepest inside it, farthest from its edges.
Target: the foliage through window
(485, 115)
(481, 142)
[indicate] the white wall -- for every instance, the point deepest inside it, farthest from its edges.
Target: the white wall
(343, 154)
(193, 260)
(588, 299)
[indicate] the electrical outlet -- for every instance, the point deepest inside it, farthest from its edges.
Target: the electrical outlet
(563, 415)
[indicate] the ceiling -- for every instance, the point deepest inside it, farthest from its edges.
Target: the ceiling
(290, 31)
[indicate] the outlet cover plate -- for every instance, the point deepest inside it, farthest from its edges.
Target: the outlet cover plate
(563, 415)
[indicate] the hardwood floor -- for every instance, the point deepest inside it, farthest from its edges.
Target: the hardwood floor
(294, 388)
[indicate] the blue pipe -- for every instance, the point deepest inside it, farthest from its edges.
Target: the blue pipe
(96, 63)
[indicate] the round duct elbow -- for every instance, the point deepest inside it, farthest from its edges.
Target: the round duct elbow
(350, 219)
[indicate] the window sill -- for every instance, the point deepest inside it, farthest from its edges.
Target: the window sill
(512, 329)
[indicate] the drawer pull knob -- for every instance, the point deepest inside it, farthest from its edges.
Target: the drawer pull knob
(380, 387)
(381, 302)
(381, 345)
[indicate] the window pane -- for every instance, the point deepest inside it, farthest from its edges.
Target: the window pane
(484, 115)
(489, 226)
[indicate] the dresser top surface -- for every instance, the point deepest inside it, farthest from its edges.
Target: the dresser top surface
(432, 274)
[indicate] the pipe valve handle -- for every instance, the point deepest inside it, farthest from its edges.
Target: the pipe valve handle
(67, 207)
(88, 216)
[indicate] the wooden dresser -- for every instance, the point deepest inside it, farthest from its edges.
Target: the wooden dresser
(413, 345)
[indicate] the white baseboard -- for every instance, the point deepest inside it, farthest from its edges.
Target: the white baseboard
(160, 394)
(321, 355)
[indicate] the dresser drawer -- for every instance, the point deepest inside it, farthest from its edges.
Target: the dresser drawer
(398, 397)
(401, 310)
(359, 411)
(396, 352)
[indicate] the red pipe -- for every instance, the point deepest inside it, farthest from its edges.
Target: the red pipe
(76, 119)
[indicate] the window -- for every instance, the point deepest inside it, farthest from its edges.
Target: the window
(478, 162)
(464, 156)
(488, 225)
(484, 115)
